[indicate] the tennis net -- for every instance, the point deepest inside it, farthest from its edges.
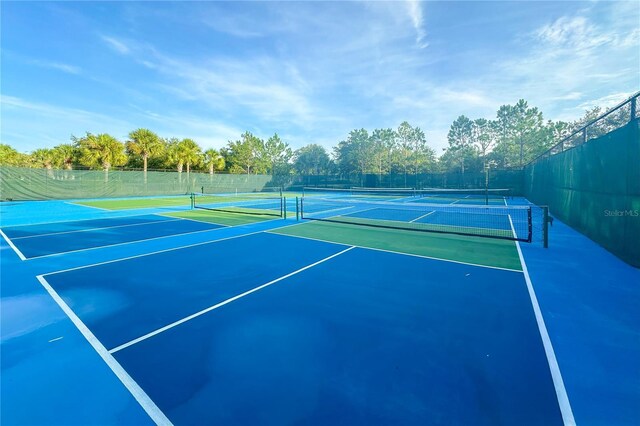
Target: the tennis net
(502, 222)
(462, 194)
(263, 206)
(364, 192)
(467, 196)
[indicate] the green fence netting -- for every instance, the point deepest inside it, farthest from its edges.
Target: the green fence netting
(502, 179)
(595, 188)
(39, 184)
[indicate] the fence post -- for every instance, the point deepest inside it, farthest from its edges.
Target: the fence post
(545, 226)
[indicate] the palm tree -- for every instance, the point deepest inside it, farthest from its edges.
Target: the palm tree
(63, 156)
(173, 154)
(189, 152)
(145, 143)
(101, 150)
(213, 160)
(43, 157)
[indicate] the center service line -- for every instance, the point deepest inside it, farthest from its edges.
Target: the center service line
(216, 306)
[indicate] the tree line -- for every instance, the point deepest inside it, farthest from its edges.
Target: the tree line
(516, 135)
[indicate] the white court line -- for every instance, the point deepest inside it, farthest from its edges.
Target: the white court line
(166, 236)
(424, 215)
(97, 229)
(274, 231)
(505, 201)
(202, 221)
(71, 203)
(85, 219)
(127, 242)
(454, 201)
(152, 253)
(140, 395)
(225, 302)
(332, 210)
(18, 252)
(558, 383)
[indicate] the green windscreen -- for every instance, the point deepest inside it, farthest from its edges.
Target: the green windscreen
(509, 179)
(40, 184)
(595, 188)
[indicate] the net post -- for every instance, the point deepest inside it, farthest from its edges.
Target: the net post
(529, 222)
(545, 226)
(297, 210)
(283, 207)
(486, 185)
(302, 208)
(192, 196)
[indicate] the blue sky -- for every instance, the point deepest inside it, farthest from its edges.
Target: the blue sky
(310, 71)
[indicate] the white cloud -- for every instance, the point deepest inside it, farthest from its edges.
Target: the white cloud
(415, 13)
(117, 45)
(604, 102)
(30, 125)
(10, 103)
(69, 69)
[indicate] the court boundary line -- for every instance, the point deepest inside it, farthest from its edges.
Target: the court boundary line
(147, 404)
(224, 302)
(71, 203)
(396, 252)
(153, 252)
(333, 210)
(96, 229)
(127, 242)
(424, 215)
(157, 238)
(196, 220)
(86, 218)
(15, 249)
(554, 367)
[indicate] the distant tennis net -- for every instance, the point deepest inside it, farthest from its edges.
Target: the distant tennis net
(502, 222)
(480, 195)
(490, 193)
(348, 192)
(263, 206)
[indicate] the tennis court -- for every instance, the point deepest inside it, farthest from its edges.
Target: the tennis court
(323, 309)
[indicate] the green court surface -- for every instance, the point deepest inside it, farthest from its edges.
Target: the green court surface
(218, 217)
(478, 251)
(137, 203)
(462, 200)
(184, 200)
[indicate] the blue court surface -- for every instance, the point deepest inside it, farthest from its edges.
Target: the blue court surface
(351, 333)
(63, 237)
(284, 322)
